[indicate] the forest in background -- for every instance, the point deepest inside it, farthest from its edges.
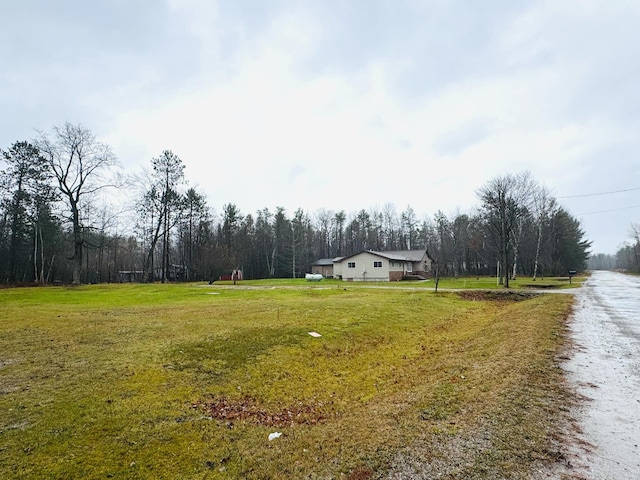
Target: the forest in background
(626, 259)
(57, 224)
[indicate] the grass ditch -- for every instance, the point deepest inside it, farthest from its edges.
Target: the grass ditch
(170, 381)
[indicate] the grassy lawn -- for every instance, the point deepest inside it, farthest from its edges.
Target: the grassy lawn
(188, 381)
(521, 283)
(485, 283)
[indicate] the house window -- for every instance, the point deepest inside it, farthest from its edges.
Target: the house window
(351, 265)
(377, 264)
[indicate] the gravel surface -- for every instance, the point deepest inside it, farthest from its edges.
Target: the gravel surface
(604, 370)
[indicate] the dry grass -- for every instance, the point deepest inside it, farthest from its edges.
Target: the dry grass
(188, 381)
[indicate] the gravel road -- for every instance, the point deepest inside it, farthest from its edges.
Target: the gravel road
(604, 369)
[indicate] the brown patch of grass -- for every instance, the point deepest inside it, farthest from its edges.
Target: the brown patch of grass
(361, 473)
(248, 409)
(496, 295)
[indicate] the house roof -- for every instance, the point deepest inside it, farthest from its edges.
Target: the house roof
(397, 255)
(404, 255)
(324, 262)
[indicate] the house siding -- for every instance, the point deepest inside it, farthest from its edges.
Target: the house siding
(364, 269)
(337, 270)
(373, 266)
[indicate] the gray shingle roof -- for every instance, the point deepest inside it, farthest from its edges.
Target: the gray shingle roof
(322, 262)
(403, 255)
(398, 255)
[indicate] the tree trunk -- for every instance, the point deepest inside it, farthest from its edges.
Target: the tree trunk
(149, 266)
(293, 252)
(164, 248)
(537, 259)
(35, 254)
(516, 250)
(504, 243)
(77, 246)
(272, 266)
(13, 249)
(41, 256)
(53, 257)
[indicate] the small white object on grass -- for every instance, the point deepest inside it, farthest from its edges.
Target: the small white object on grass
(315, 334)
(274, 435)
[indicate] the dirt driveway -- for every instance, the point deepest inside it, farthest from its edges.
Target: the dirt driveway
(605, 370)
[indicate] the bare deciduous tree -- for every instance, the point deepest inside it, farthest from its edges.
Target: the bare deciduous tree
(544, 205)
(501, 208)
(523, 193)
(79, 163)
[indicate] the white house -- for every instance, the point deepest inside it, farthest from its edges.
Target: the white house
(372, 266)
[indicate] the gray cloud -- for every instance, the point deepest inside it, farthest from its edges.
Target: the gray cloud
(469, 134)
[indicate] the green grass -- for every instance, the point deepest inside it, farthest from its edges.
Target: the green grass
(187, 381)
(484, 283)
(490, 283)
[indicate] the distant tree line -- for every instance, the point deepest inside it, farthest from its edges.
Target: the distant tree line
(627, 257)
(55, 226)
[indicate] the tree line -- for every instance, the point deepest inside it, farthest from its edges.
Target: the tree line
(627, 257)
(55, 226)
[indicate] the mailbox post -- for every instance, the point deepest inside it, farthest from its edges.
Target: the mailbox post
(571, 274)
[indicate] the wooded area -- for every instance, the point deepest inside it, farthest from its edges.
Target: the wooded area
(56, 228)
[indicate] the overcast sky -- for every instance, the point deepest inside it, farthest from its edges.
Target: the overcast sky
(344, 105)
